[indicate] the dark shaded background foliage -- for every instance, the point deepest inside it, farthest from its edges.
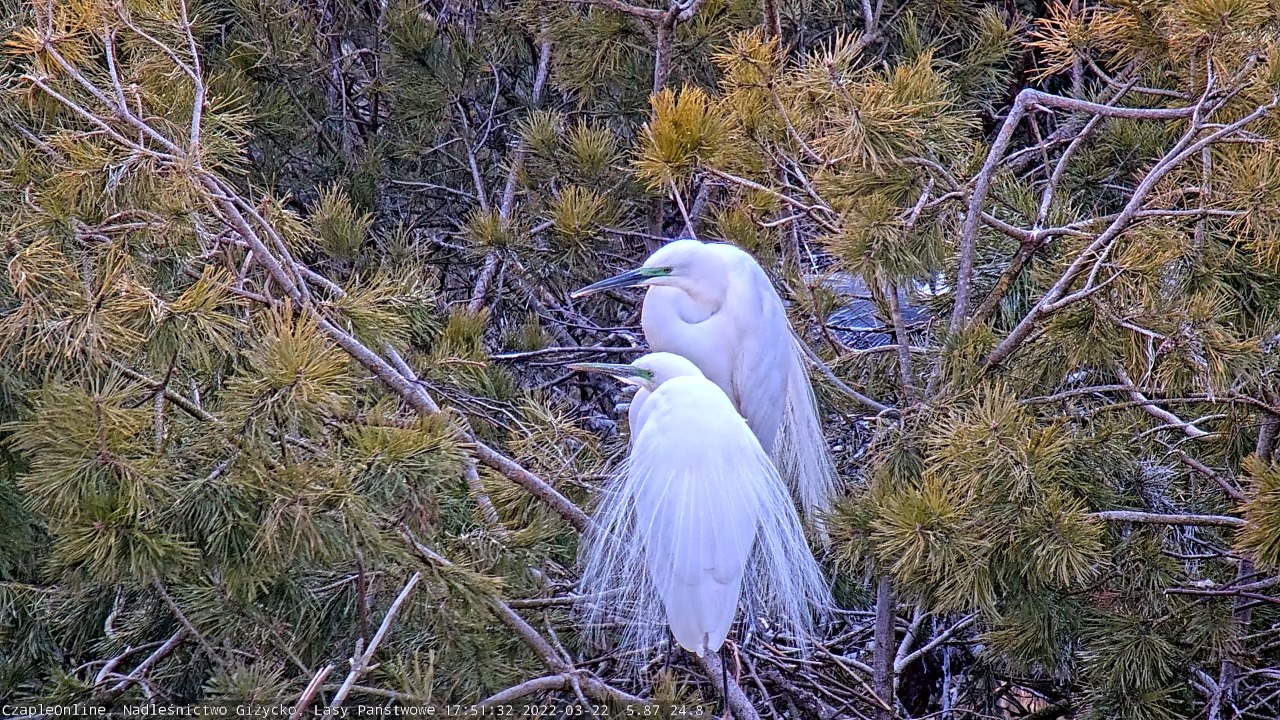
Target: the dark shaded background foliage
(274, 359)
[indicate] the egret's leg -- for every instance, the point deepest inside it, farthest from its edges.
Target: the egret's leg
(724, 688)
(750, 627)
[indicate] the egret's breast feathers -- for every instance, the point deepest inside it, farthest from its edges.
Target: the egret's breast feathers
(674, 322)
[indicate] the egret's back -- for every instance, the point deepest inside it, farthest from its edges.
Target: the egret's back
(698, 522)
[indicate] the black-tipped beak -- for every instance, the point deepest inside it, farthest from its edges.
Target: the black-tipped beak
(631, 278)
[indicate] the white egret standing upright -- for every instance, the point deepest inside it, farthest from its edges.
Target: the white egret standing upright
(696, 522)
(713, 304)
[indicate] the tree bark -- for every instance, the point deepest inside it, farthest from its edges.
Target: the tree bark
(882, 662)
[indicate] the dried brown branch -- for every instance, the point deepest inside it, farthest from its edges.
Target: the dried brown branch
(577, 350)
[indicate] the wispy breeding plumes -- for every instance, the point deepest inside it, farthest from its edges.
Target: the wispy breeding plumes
(695, 524)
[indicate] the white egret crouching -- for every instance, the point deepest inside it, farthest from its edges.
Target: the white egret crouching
(696, 523)
(713, 304)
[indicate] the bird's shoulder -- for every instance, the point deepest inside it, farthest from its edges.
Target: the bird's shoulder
(690, 402)
(737, 261)
(751, 286)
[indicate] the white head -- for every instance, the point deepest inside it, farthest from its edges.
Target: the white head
(690, 265)
(647, 371)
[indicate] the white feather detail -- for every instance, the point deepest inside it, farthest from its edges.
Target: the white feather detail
(695, 524)
(802, 456)
(734, 327)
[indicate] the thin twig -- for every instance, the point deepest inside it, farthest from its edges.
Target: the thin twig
(360, 663)
(313, 687)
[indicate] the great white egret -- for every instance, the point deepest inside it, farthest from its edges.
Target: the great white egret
(697, 521)
(713, 304)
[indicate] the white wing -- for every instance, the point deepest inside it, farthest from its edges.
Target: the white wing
(772, 387)
(802, 456)
(696, 528)
(761, 351)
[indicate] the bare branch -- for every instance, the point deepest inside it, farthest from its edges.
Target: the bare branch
(145, 666)
(360, 662)
(883, 667)
(1186, 147)
(1135, 516)
(736, 699)
(943, 637)
(528, 687)
(122, 110)
(1025, 100)
(533, 640)
(820, 214)
(313, 687)
(644, 13)
(1155, 410)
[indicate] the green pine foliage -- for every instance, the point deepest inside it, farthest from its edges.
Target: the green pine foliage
(285, 307)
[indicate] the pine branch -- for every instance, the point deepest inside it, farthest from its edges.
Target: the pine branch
(1156, 411)
(487, 510)
(144, 667)
(1057, 296)
(533, 640)
(1027, 99)
(186, 623)
(408, 389)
